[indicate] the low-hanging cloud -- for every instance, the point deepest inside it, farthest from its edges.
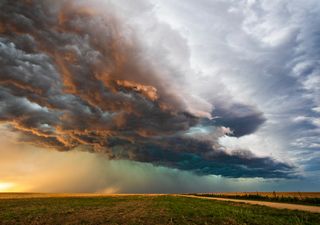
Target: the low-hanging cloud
(73, 75)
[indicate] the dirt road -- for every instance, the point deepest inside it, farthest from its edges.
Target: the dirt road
(315, 209)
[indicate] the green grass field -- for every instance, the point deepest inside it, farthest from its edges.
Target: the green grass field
(143, 210)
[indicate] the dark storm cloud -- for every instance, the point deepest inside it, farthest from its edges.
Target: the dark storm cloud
(71, 77)
(202, 159)
(241, 119)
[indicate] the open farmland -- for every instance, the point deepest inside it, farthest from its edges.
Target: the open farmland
(305, 198)
(139, 209)
(300, 195)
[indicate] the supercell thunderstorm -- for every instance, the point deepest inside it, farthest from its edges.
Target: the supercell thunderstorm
(75, 76)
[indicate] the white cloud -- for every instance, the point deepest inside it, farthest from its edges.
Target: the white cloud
(257, 52)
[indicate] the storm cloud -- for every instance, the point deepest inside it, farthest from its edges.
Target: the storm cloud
(73, 75)
(241, 119)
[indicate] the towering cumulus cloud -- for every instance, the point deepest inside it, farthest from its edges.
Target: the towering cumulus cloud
(73, 75)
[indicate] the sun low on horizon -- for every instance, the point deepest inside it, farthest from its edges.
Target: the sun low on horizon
(6, 187)
(159, 96)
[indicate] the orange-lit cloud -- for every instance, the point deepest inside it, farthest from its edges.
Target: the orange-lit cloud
(76, 77)
(148, 91)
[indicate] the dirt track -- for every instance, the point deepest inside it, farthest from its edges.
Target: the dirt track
(315, 209)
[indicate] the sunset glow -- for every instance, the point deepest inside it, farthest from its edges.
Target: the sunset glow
(6, 187)
(159, 96)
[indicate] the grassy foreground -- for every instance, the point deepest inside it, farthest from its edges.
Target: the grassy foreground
(165, 209)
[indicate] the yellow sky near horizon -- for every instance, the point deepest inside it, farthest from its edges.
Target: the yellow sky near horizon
(26, 168)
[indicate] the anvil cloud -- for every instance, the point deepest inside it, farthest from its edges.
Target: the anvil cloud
(82, 75)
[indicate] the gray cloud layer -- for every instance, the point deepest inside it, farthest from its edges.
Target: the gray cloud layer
(72, 76)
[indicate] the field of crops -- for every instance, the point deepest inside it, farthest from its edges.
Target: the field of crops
(140, 209)
(305, 198)
(300, 195)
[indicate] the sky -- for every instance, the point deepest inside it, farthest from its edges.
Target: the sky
(159, 96)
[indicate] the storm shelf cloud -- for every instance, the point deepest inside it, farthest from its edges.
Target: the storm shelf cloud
(79, 75)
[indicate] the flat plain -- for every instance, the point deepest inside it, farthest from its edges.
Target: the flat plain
(303, 198)
(140, 209)
(300, 195)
